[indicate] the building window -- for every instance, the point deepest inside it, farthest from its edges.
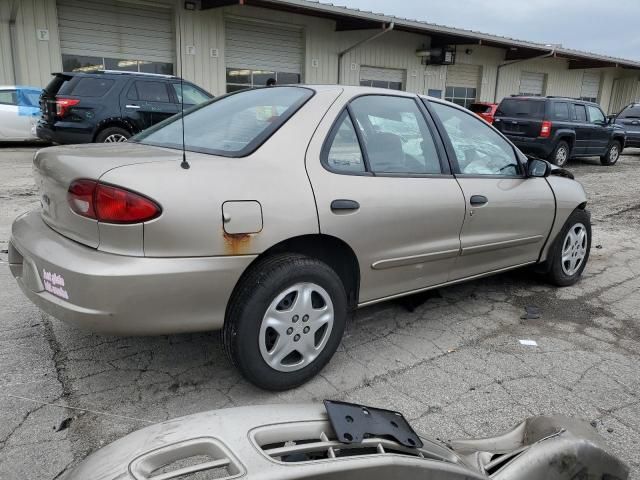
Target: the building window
(463, 96)
(590, 99)
(82, 63)
(381, 84)
(239, 79)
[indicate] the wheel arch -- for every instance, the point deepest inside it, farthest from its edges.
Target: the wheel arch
(114, 122)
(567, 136)
(331, 250)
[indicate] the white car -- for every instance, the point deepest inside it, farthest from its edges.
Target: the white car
(19, 113)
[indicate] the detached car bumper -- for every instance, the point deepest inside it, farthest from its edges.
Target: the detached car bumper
(118, 294)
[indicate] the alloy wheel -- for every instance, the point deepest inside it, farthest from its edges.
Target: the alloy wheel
(115, 138)
(574, 249)
(296, 327)
(561, 156)
(614, 153)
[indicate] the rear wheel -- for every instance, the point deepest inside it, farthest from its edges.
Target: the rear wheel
(571, 249)
(560, 154)
(113, 135)
(285, 321)
(612, 154)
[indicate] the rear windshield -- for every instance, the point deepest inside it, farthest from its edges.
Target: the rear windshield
(233, 125)
(632, 112)
(479, 108)
(513, 107)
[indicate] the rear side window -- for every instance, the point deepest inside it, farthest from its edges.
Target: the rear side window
(152, 91)
(560, 111)
(512, 107)
(395, 135)
(344, 154)
(631, 112)
(8, 97)
(91, 87)
(580, 113)
(231, 126)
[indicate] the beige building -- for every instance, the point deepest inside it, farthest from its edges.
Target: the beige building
(224, 45)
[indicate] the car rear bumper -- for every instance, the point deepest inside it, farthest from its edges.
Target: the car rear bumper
(63, 136)
(533, 145)
(117, 294)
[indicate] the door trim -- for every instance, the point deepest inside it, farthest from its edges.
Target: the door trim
(445, 284)
(500, 245)
(413, 259)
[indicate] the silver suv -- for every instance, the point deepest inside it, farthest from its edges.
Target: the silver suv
(291, 207)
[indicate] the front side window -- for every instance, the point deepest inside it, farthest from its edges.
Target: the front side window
(192, 95)
(479, 149)
(8, 97)
(344, 153)
(630, 112)
(596, 115)
(233, 125)
(395, 135)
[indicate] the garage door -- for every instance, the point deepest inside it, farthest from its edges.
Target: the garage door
(532, 83)
(462, 84)
(382, 77)
(590, 86)
(115, 35)
(257, 52)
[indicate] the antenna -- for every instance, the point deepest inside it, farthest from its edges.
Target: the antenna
(184, 164)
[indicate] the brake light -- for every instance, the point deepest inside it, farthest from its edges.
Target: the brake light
(63, 105)
(110, 204)
(545, 130)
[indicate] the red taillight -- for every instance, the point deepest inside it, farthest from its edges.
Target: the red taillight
(110, 204)
(64, 104)
(545, 130)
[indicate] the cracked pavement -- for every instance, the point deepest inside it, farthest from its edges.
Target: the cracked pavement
(454, 365)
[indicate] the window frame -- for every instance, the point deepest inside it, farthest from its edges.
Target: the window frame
(445, 168)
(575, 113)
(450, 151)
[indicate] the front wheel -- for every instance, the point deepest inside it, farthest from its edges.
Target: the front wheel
(570, 251)
(285, 321)
(612, 154)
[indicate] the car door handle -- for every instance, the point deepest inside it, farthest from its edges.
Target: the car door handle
(132, 106)
(477, 200)
(344, 204)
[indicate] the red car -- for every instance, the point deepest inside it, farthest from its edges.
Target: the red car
(484, 110)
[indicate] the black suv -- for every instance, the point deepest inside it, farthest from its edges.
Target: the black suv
(558, 128)
(629, 119)
(109, 106)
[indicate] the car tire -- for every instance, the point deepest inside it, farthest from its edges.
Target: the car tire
(570, 251)
(560, 154)
(612, 154)
(113, 135)
(287, 298)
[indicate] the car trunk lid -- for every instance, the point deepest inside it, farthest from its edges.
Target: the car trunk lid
(56, 167)
(520, 117)
(48, 97)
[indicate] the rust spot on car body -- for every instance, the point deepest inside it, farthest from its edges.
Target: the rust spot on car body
(237, 243)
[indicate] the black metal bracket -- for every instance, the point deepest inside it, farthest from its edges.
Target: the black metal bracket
(353, 423)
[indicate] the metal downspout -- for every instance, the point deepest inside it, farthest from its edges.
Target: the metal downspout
(385, 29)
(504, 64)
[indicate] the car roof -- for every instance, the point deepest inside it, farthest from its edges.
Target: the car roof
(116, 73)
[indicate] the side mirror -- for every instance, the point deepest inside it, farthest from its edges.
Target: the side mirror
(538, 168)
